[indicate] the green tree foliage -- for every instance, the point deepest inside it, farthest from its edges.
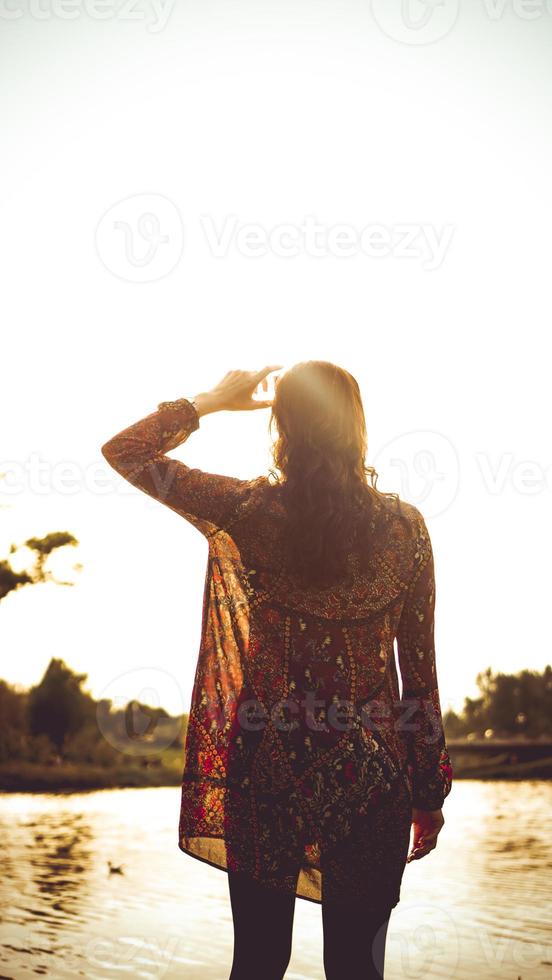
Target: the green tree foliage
(11, 580)
(13, 727)
(58, 707)
(57, 718)
(509, 704)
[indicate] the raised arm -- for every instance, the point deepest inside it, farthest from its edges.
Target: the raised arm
(431, 765)
(207, 500)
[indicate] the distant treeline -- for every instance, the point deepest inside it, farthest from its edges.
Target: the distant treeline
(56, 736)
(508, 705)
(58, 721)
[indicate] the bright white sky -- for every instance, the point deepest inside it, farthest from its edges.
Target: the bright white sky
(266, 114)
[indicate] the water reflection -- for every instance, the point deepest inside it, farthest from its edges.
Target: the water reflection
(477, 905)
(46, 882)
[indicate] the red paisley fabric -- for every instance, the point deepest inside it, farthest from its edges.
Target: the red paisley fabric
(303, 759)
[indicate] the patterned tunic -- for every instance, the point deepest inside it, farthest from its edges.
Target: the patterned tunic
(302, 758)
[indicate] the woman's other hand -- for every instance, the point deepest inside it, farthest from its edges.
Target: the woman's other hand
(234, 393)
(427, 825)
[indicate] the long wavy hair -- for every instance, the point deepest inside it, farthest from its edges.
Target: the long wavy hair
(319, 454)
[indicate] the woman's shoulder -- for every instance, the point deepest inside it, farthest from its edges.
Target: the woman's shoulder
(391, 506)
(388, 508)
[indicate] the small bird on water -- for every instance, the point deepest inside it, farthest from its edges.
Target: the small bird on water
(115, 869)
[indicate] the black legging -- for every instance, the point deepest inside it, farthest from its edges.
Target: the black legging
(354, 937)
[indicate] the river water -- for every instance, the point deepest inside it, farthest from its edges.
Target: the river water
(479, 906)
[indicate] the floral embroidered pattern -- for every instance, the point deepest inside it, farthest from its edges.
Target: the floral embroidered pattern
(303, 760)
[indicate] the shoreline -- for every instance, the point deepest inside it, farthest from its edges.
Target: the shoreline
(468, 762)
(30, 778)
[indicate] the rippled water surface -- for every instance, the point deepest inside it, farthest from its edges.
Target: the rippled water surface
(477, 907)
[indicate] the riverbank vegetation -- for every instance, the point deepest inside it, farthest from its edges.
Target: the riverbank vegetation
(56, 736)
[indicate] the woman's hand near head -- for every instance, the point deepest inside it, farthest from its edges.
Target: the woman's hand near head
(427, 825)
(235, 392)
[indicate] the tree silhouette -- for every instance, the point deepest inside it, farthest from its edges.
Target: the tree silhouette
(13, 712)
(10, 580)
(58, 706)
(509, 704)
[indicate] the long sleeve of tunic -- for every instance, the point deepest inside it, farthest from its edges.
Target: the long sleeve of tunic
(299, 742)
